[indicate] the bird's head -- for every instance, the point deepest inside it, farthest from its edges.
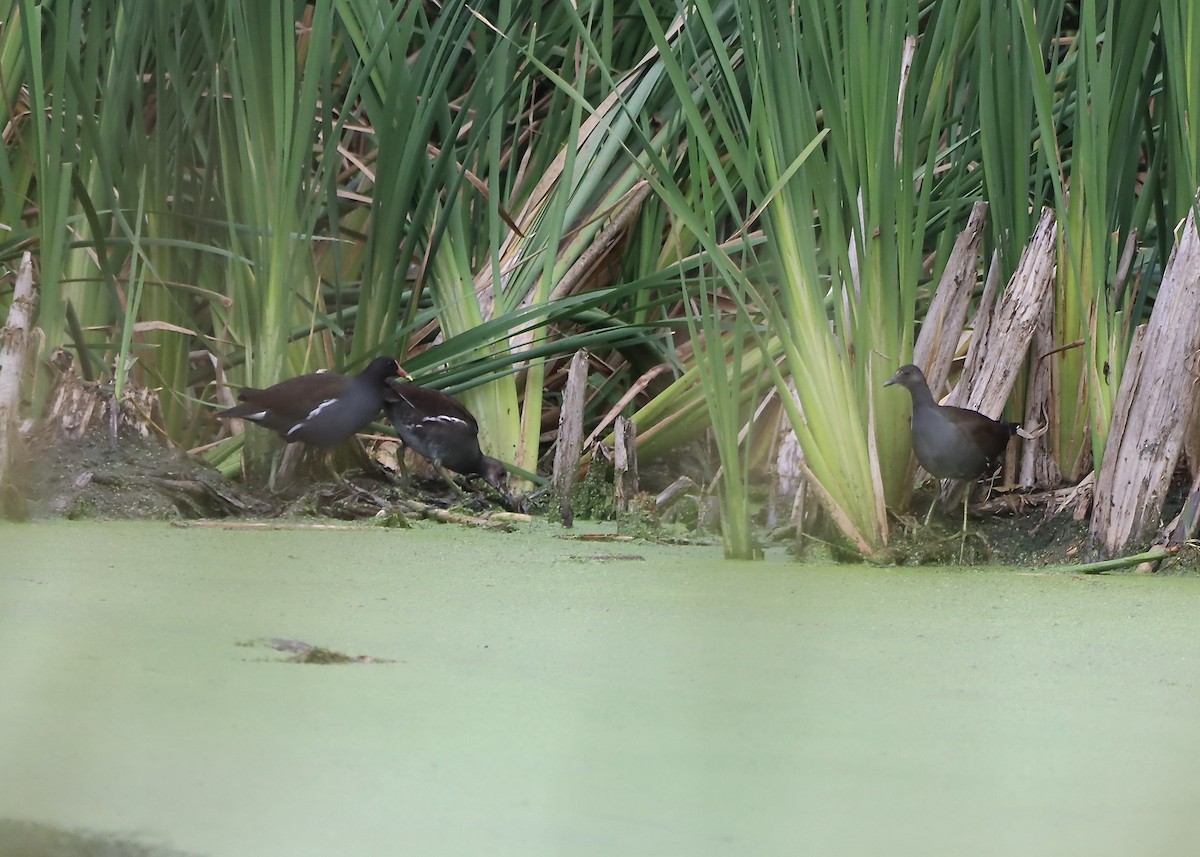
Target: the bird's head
(383, 368)
(493, 472)
(907, 376)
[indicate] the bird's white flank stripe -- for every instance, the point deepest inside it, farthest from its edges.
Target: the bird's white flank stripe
(311, 415)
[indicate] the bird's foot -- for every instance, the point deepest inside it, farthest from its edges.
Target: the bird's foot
(980, 551)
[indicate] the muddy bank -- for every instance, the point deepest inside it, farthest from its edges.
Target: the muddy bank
(141, 478)
(83, 462)
(134, 477)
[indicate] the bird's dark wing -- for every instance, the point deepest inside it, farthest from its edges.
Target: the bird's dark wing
(414, 404)
(288, 401)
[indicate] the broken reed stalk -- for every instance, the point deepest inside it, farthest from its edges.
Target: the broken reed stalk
(625, 468)
(570, 434)
(14, 350)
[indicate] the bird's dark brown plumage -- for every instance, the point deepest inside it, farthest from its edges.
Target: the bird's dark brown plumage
(322, 409)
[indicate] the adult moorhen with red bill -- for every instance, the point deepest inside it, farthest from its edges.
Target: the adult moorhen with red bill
(322, 409)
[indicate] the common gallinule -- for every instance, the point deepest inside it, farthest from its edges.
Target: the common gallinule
(322, 409)
(949, 442)
(438, 428)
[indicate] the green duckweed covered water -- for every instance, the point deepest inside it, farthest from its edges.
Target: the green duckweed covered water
(552, 697)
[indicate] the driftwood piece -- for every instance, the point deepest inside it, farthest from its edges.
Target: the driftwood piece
(1056, 500)
(1133, 360)
(1153, 405)
(570, 434)
(938, 340)
(625, 468)
(14, 351)
(445, 516)
(597, 537)
(674, 492)
(208, 523)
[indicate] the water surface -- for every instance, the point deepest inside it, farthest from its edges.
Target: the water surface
(551, 697)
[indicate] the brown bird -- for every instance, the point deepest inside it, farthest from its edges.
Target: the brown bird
(949, 442)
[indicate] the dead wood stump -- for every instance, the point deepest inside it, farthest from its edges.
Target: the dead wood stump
(1152, 410)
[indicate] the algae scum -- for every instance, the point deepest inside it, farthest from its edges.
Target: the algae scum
(523, 694)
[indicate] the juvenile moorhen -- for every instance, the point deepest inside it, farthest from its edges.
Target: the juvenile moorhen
(322, 409)
(949, 442)
(438, 428)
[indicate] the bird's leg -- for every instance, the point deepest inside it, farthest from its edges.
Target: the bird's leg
(296, 460)
(937, 495)
(963, 543)
(966, 499)
(327, 460)
(402, 465)
(445, 474)
(929, 514)
(277, 463)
